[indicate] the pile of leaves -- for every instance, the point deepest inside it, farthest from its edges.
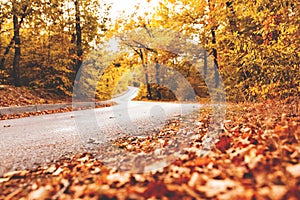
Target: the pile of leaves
(256, 157)
(45, 112)
(23, 96)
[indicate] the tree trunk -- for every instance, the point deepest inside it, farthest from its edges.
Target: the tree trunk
(157, 67)
(17, 56)
(7, 49)
(205, 65)
(12, 41)
(146, 75)
(148, 86)
(231, 17)
(215, 54)
(214, 50)
(49, 46)
(79, 51)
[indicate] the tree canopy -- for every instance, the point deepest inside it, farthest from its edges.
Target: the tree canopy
(254, 46)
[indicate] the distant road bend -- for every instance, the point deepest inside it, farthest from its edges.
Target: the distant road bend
(29, 142)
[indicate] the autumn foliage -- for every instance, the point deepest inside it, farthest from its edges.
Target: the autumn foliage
(253, 50)
(255, 45)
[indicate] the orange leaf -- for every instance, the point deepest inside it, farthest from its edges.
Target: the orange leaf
(223, 144)
(156, 189)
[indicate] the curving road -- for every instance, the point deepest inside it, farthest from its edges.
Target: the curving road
(29, 142)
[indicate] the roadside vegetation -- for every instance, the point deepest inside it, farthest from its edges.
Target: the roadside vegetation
(254, 46)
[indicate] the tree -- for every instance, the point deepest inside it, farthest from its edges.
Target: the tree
(78, 36)
(17, 41)
(157, 47)
(19, 11)
(247, 39)
(141, 50)
(53, 37)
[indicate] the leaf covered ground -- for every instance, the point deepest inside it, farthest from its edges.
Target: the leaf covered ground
(23, 96)
(11, 96)
(256, 157)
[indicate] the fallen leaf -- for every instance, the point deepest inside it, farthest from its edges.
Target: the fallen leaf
(214, 187)
(223, 144)
(58, 171)
(4, 180)
(42, 193)
(155, 189)
(194, 179)
(294, 170)
(15, 174)
(277, 192)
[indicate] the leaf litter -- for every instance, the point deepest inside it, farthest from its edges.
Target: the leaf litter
(256, 157)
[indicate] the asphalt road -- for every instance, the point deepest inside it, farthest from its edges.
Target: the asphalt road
(26, 143)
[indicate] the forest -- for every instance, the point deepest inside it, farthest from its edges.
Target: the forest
(233, 66)
(254, 47)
